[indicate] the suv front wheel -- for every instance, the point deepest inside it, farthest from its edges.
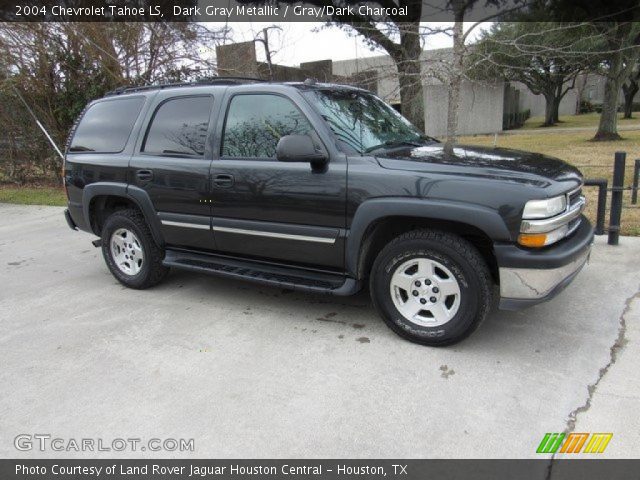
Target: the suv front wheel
(130, 252)
(431, 287)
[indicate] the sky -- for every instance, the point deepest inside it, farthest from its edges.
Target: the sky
(293, 43)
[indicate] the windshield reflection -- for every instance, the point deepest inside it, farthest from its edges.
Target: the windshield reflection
(362, 122)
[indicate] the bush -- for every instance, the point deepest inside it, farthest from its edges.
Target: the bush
(587, 107)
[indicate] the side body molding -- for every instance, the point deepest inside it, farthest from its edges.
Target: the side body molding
(483, 218)
(129, 192)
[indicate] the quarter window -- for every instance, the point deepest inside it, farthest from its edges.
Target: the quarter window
(255, 123)
(179, 127)
(105, 126)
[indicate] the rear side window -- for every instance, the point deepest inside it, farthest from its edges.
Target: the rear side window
(256, 122)
(179, 127)
(105, 126)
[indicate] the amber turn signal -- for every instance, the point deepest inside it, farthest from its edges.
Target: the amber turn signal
(532, 239)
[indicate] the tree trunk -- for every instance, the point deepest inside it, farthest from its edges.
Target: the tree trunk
(410, 75)
(455, 84)
(549, 109)
(411, 92)
(556, 110)
(582, 85)
(629, 93)
(608, 126)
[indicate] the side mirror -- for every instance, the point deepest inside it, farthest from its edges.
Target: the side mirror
(300, 148)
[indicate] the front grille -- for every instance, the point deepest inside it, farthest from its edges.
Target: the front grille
(574, 196)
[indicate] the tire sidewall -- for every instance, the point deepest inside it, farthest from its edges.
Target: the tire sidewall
(113, 223)
(465, 275)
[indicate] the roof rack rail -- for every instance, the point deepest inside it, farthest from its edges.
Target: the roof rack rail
(204, 81)
(214, 80)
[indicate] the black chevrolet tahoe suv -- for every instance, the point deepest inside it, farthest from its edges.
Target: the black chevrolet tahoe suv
(322, 188)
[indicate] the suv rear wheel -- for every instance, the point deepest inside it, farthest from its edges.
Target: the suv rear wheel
(431, 287)
(130, 251)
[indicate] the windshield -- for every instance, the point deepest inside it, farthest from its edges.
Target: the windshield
(362, 121)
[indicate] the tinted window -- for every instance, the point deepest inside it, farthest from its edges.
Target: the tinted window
(105, 126)
(179, 126)
(255, 123)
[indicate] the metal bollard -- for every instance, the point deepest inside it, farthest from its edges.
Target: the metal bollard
(602, 184)
(616, 198)
(636, 174)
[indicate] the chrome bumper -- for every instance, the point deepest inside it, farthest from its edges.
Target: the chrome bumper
(521, 287)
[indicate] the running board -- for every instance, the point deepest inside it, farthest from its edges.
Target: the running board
(263, 273)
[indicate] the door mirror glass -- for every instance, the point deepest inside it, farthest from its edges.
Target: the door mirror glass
(300, 148)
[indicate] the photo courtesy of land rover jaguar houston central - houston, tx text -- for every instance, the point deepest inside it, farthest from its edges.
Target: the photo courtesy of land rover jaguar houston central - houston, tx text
(322, 188)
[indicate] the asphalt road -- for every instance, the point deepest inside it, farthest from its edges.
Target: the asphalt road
(250, 371)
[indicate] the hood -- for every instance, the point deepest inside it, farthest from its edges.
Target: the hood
(482, 161)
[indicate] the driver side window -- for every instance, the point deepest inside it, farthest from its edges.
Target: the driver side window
(256, 122)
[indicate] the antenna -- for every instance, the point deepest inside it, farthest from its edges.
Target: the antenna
(44, 130)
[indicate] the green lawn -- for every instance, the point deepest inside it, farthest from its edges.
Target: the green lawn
(33, 195)
(580, 121)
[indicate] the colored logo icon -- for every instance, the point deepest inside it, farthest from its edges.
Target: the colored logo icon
(574, 443)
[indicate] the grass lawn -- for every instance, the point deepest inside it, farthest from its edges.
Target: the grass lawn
(594, 159)
(580, 121)
(33, 195)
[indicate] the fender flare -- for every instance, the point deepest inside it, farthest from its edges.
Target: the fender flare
(135, 194)
(482, 218)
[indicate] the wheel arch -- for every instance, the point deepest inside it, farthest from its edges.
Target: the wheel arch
(379, 221)
(102, 198)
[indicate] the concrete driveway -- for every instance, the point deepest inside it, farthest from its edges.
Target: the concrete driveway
(250, 371)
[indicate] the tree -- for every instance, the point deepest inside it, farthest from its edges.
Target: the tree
(622, 40)
(402, 38)
(59, 67)
(547, 57)
(629, 89)
(617, 24)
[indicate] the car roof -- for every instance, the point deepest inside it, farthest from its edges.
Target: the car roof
(231, 82)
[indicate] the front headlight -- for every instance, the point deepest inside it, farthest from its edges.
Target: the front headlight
(544, 208)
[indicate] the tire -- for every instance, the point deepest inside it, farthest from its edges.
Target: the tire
(130, 252)
(454, 287)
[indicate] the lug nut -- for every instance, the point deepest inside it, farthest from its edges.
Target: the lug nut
(427, 282)
(417, 284)
(423, 301)
(433, 299)
(436, 289)
(415, 293)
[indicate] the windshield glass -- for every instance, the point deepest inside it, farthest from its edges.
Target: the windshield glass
(363, 121)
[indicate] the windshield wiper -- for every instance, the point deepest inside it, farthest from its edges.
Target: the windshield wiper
(393, 143)
(80, 148)
(428, 138)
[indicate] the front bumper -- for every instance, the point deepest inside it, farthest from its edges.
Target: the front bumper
(529, 277)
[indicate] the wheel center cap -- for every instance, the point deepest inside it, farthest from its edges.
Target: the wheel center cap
(427, 291)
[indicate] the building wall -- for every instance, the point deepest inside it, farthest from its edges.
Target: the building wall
(536, 103)
(592, 91)
(481, 108)
(386, 74)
